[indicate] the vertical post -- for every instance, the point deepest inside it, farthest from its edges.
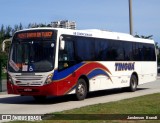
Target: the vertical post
(130, 17)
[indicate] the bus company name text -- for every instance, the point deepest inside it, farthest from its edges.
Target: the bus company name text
(82, 34)
(124, 66)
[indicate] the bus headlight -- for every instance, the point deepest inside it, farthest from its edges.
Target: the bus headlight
(49, 79)
(9, 79)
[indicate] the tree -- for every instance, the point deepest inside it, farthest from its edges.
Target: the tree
(20, 26)
(8, 32)
(3, 59)
(2, 33)
(145, 37)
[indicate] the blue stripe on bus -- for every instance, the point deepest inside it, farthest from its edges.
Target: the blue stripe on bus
(97, 72)
(65, 73)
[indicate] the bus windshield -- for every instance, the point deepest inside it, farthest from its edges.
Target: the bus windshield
(32, 55)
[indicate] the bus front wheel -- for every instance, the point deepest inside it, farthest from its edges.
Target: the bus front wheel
(133, 83)
(81, 89)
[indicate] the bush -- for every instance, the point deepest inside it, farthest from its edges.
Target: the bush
(3, 59)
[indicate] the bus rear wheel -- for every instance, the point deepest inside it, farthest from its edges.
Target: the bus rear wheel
(133, 83)
(81, 89)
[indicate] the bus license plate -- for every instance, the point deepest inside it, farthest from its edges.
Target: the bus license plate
(27, 89)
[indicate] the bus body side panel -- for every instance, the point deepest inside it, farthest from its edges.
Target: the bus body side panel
(149, 72)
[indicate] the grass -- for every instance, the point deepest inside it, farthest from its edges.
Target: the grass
(149, 104)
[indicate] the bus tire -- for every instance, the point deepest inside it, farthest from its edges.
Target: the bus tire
(40, 98)
(81, 89)
(133, 83)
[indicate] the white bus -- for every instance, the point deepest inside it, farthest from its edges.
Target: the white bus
(56, 61)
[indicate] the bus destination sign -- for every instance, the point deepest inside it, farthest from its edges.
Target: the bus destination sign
(26, 35)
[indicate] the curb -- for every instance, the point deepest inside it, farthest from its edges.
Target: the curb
(3, 93)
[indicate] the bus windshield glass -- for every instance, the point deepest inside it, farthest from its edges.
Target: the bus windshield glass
(32, 52)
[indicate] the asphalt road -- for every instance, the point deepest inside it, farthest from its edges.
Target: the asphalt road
(13, 104)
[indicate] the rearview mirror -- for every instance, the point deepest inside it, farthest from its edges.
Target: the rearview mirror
(4, 44)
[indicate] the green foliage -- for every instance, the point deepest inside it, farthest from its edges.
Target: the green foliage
(3, 59)
(145, 37)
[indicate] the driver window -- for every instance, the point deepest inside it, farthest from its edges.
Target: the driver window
(66, 56)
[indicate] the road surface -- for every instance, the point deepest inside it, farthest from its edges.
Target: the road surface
(13, 104)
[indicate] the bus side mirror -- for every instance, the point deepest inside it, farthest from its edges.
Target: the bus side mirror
(62, 43)
(4, 45)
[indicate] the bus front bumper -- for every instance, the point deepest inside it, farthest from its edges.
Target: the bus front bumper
(45, 90)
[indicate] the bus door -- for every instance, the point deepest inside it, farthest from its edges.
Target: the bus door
(66, 62)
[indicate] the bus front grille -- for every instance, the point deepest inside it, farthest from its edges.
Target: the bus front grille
(34, 80)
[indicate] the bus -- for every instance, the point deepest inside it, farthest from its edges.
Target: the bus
(54, 62)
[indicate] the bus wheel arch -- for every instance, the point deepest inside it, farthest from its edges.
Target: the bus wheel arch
(86, 80)
(82, 87)
(133, 82)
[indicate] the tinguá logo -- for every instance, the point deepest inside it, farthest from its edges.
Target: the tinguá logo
(124, 66)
